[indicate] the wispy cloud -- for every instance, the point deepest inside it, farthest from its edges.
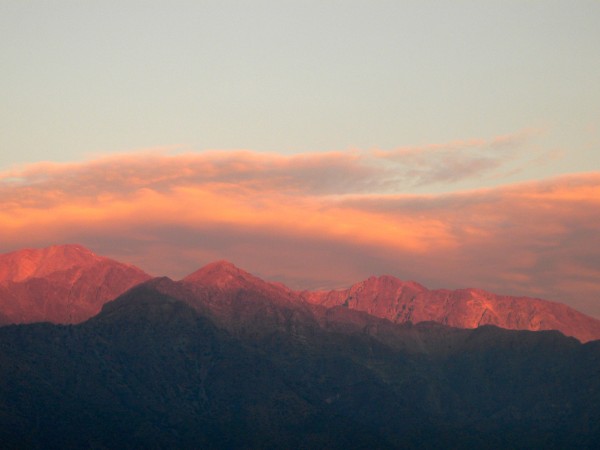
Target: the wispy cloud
(317, 172)
(315, 219)
(455, 161)
(310, 173)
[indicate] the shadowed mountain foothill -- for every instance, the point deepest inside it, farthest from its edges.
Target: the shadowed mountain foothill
(245, 364)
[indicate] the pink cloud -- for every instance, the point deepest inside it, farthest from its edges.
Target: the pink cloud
(317, 220)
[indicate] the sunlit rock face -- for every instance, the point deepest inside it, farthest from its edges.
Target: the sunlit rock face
(69, 284)
(221, 287)
(60, 284)
(407, 301)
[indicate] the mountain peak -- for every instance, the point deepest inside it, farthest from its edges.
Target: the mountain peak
(227, 277)
(222, 274)
(222, 265)
(29, 263)
(70, 248)
(390, 281)
(61, 284)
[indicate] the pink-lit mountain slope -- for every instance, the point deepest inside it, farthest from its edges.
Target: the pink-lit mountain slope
(239, 301)
(235, 298)
(60, 284)
(69, 284)
(403, 301)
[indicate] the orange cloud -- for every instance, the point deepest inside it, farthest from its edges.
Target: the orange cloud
(528, 238)
(312, 220)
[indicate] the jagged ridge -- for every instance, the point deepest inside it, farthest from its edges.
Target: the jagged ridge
(68, 284)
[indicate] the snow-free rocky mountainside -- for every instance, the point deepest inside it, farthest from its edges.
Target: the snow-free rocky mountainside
(60, 284)
(69, 284)
(401, 301)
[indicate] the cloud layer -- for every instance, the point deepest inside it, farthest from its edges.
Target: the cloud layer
(323, 219)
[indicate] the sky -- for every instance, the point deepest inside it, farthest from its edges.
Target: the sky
(455, 143)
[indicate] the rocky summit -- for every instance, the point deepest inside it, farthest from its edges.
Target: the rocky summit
(60, 284)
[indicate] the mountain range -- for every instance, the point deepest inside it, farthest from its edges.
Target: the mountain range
(224, 360)
(68, 284)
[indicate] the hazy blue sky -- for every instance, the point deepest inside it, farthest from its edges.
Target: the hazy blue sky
(86, 78)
